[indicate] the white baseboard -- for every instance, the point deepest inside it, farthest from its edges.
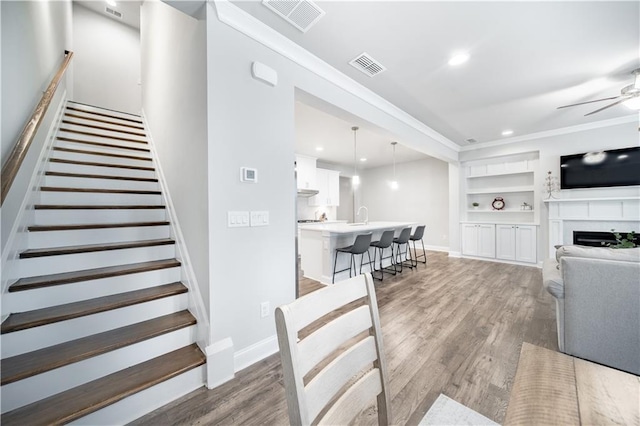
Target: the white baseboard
(219, 362)
(455, 254)
(436, 248)
(510, 262)
(254, 353)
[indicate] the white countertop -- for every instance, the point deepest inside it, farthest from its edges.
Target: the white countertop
(346, 228)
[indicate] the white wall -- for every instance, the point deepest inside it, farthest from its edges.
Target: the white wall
(107, 61)
(174, 102)
(34, 38)
(551, 147)
(422, 196)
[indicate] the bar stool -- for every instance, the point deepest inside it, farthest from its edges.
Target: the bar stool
(386, 241)
(360, 246)
(417, 236)
(403, 240)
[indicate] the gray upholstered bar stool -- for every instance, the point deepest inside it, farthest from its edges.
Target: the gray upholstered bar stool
(386, 241)
(360, 246)
(403, 240)
(417, 236)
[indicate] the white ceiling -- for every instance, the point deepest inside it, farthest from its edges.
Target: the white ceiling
(527, 58)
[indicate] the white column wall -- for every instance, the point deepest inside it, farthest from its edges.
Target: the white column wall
(174, 102)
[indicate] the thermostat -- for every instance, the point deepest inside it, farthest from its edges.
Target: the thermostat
(248, 175)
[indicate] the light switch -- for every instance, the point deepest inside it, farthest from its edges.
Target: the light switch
(260, 218)
(237, 219)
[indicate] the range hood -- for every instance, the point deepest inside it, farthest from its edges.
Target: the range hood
(307, 192)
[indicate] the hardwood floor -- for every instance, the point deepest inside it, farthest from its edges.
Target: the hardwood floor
(454, 326)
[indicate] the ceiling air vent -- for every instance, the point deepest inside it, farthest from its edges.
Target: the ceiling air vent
(365, 63)
(471, 140)
(113, 12)
(302, 14)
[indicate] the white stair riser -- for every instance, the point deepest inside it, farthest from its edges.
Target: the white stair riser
(96, 198)
(72, 216)
(43, 239)
(31, 389)
(109, 123)
(101, 159)
(84, 108)
(134, 142)
(21, 301)
(112, 132)
(120, 149)
(35, 338)
(33, 267)
(111, 171)
(141, 403)
(81, 182)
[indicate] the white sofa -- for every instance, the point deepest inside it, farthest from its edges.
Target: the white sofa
(597, 292)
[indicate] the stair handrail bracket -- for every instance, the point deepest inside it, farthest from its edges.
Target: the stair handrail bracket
(14, 160)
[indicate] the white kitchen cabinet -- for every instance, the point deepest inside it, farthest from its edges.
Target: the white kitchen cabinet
(479, 240)
(516, 242)
(328, 185)
(306, 172)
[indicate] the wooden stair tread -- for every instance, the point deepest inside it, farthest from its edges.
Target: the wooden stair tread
(98, 135)
(93, 176)
(102, 154)
(96, 207)
(29, 283)
(90, 248)
(102, 114)
(39, 317)
(85, 399)
(32, 363)
(44, 228)
(102, 144)
(98, 190)
(96, 164)
(93, 126)
(67, 114)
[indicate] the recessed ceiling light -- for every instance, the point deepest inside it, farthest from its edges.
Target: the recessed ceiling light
(319, 148)
(507, 132)
(111, 3)
(459, 59)
(363, 159)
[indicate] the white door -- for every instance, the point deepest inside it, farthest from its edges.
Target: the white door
(487, 240)
(470, 239)
(506, 242)
(526, 246)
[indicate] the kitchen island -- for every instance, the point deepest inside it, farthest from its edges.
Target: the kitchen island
(318, 243)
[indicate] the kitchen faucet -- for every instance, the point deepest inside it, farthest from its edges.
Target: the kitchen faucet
(366, 221)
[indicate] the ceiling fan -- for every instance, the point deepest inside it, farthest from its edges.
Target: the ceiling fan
(630, 95)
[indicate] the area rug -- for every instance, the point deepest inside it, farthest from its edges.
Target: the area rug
(446, 411)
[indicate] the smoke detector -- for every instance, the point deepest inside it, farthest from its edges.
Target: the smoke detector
(366, 64)
(302, 14)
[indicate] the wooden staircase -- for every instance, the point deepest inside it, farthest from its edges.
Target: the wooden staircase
(99, 330)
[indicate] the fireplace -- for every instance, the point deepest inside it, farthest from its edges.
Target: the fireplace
(596, 239)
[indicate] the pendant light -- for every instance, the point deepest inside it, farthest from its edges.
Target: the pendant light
(394, 183)
(355, 180)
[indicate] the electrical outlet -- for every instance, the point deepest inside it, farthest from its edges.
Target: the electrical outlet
(264, 309)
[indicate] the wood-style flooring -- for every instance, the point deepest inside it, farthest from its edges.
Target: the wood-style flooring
(454, 326)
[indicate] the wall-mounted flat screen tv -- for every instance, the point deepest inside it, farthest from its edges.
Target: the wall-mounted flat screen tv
(616, 167)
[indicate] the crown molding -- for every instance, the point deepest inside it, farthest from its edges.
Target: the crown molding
(262, 33)
(555, 132)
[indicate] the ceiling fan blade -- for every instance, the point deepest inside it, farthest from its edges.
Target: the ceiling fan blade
(589, 102)
(623, 98)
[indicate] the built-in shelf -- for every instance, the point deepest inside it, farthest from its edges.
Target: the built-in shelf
(498, 211)
(500, 174)
(500, 190)
(497, 222)
(565, 200)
